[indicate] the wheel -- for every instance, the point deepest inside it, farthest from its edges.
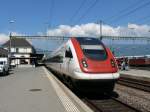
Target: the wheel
(64, 79)
(70, 83)
(7, 72)
(4, 72)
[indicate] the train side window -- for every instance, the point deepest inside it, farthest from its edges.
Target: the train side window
(56, 59)
(68, 54)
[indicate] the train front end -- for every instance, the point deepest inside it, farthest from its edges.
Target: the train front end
(97, 66)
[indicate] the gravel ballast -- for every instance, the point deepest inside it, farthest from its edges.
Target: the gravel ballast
(134, 97)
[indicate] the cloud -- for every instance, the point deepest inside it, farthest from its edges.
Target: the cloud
(17, 34)
(140, 30)
(93, 29)
(3, 38)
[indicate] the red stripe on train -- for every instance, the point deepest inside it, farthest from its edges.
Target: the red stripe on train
(94, 66)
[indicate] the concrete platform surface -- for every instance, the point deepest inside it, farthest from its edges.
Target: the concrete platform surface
(31, 90)
(143, 74)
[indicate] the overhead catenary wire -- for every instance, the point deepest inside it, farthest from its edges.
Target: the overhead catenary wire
(144, 19)
(124, 10)
(51, 13)
(147, 21)
(87, 11)
(50, 21)
(77, 11)
(130, 12)
(56, 38)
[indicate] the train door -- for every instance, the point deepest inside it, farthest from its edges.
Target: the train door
(68, 61)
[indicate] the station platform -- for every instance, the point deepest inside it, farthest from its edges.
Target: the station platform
(136, 73)
(30, 89)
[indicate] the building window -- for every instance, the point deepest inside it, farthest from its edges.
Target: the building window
(17, 50)
(25, 50)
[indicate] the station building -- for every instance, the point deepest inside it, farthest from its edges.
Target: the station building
(3, 52)
(21, 50)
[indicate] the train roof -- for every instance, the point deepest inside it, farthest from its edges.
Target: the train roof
(88, 41)
(81, 40)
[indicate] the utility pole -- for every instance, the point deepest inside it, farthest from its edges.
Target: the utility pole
(10, 39)
(9, 50)
(100, 29)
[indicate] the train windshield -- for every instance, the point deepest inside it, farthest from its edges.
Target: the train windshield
(94, 52)
(92, 48)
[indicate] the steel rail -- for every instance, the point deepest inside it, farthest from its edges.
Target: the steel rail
(135, 83)
(109, 105)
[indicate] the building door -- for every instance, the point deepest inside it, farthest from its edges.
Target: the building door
(23, 61)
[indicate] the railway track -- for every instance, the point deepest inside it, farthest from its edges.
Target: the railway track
(104, 103)
(108, 104)
(135, 83)
(141, 68)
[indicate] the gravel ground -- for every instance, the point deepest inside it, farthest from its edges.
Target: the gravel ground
(136, 98)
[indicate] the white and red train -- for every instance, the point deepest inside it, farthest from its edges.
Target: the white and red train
(85, 63)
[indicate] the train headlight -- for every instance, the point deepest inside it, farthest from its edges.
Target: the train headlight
(113, 64)
(84, 63)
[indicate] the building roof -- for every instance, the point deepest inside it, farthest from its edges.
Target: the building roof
(18, 42)
(3, 52)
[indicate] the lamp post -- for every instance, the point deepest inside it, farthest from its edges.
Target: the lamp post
(100, 29)
(10, 38)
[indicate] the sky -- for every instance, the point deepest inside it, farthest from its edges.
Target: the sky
(74, 17)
